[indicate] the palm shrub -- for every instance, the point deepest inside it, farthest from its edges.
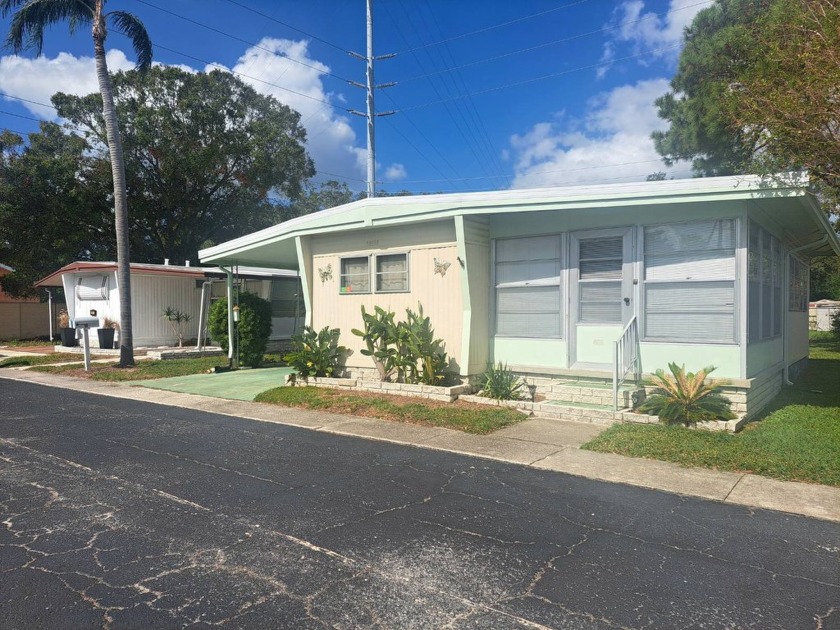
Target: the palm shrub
(316, 353)
(685, 397)
(500, 383)
(254, 327)
(407, 351)
(424, 349)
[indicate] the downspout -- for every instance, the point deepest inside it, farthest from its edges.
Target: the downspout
(785, 352)
(49, 301)
(229, 276)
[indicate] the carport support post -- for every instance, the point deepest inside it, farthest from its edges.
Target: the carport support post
(232, 362)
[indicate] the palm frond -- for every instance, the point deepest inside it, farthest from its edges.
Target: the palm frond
(686, 397)
(29, 21)
(131, 26)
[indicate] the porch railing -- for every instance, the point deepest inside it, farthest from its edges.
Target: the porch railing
(626, 358)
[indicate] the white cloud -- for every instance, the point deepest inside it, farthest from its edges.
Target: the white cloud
(331, 141)
(395, 172)
(39, 78)
(659, 36)
(611, 144)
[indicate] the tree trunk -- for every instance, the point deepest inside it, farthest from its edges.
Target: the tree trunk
(109, 112)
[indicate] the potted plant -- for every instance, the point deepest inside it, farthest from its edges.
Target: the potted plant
(106, 333)
(68, 334)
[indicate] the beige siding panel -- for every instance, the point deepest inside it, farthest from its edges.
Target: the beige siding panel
(797, 336)
(380, 239)
(439, 295)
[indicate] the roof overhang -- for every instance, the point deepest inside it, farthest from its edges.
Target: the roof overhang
(276, 245)
(167, 271)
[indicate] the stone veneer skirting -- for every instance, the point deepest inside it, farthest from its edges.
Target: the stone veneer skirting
(429, 392)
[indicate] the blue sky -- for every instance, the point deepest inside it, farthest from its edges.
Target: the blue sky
(488, 94)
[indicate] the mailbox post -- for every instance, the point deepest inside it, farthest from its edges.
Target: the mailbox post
(85, 323)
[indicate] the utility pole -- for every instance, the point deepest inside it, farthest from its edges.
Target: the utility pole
(371, 114)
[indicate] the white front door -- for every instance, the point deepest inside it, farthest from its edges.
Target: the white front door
(601, 299)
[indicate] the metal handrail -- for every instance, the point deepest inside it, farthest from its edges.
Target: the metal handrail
(626, 357)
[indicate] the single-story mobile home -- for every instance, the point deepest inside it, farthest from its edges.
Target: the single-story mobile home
(591, 280)
(190, 290)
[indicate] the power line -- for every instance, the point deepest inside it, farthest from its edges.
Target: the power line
(289, 26)
(542, 78)
(605, 29)
(2, 111)
(239, 39)
(495, 26)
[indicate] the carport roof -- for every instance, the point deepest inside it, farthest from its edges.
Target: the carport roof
(181, 271)
(774, 195)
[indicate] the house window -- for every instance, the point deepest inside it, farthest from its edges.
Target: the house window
(391, 273)
(689, 287)
(355, 275)
(798, 300)
(764, 300)
(286, 299)
(529, 288)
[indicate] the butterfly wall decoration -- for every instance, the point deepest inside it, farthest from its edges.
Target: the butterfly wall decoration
(441, 267)
(325, 273)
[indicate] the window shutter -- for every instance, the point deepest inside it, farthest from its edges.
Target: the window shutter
(92, 288)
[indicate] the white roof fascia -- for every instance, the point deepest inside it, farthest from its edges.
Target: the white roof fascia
(517, 200)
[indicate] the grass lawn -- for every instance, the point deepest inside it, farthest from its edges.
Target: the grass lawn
(143, 370)
(25, 343)
(797, 439)
(467, 417)
(41, 359)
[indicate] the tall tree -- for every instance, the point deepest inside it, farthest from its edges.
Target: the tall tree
(205, 154)
(51, 211)
(786, 100)
(30, 19)
(717, 45)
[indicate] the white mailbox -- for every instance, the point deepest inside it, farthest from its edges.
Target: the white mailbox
(85, 324)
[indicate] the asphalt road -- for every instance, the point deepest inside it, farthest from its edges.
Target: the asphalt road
(115, 513)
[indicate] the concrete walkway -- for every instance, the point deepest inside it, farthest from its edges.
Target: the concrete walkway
(240, 385)
(539, 443)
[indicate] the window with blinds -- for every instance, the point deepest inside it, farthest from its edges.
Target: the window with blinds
(92, 288)
(689, 287)
(798, 298)
(529, 287)
(600, 264)
(764, 300)
(286, 298)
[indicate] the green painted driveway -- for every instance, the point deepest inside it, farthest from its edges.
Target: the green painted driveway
(240, 385)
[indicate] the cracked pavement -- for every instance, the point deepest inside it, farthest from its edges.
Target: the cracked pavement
(121, 514)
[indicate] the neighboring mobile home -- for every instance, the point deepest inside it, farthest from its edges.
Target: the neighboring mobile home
(93, 286)
(696, 271)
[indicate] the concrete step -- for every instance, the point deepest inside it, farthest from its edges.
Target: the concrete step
(578, 412)
(591, 393)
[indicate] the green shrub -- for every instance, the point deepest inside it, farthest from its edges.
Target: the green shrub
(835, 324)
(406, 352)
(254, 327)
(177, 320)
(500, 383)
(316, 353)
(685, 397)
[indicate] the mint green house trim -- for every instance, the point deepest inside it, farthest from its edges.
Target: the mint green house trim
(475, 225)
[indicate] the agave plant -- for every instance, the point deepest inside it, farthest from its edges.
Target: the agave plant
(685, 397)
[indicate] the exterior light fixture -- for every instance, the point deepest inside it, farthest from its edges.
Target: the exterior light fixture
(236, 313)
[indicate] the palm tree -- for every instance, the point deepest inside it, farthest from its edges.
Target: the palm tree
(27, 31)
